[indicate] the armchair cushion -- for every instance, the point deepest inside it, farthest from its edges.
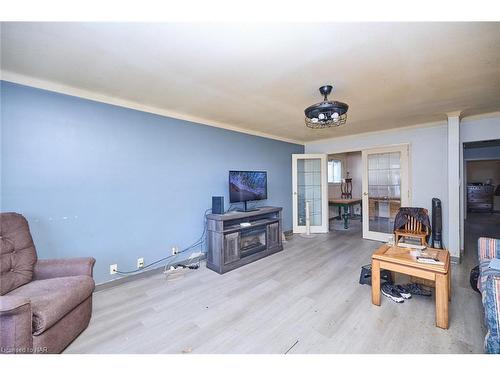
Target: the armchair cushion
(15, 322)
(17, 252)
(52, 299)
(50, 268)
(10, 304)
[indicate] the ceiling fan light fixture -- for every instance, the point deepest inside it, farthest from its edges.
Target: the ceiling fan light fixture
(326, 114)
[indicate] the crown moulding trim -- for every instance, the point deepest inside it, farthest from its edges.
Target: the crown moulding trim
(94, 96)
(454, 114)
(382, 131)
(25, 80)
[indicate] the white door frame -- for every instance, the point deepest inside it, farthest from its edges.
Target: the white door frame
(324, 227)
(405, 185)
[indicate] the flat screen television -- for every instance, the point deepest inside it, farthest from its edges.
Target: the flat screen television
(247, 186)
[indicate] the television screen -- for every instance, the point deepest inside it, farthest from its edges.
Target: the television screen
(247, 186)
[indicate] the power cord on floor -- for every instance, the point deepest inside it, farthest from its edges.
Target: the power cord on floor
(199, 242)
(190, 266)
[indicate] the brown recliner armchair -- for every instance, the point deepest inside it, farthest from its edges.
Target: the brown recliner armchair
(44, 304)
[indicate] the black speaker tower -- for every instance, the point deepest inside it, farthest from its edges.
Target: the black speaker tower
(218, 205)
(437, 224)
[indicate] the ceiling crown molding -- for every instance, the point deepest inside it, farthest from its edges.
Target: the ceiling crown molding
(102, 98)
(454, 114)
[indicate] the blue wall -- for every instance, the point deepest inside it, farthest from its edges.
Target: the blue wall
(492, 152)
(118, 184)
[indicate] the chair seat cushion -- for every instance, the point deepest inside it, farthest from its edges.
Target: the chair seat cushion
(52, 299)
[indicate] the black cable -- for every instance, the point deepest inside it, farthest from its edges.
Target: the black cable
(147, 266)
(157, 261)
(198, 242)
(191, 266)
(229, 209)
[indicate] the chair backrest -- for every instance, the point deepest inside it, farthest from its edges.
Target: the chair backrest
(17, 252)
(414, 225)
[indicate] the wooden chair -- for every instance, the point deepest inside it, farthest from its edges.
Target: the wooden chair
(413, 229)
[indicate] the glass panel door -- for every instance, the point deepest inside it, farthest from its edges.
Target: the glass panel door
(310, 200)
(385, 190)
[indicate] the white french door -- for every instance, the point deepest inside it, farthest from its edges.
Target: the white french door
(385, 189)
(310, 192)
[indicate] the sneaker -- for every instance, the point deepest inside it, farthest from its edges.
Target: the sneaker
(389, 291)
(418, 290)
(405, 293)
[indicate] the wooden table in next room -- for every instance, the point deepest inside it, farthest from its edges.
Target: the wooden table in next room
(344, 204)
(400, 259)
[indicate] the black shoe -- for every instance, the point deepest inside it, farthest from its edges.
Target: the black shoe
(389, 291)
(405, 293)
(418, 290)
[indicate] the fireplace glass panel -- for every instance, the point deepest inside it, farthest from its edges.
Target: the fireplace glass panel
(252, 241)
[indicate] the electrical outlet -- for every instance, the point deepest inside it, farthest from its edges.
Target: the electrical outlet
(113, 268)
(140, 262)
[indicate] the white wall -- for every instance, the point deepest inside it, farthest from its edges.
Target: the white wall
(428, 160)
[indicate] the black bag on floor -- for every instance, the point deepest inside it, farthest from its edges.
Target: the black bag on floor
(474, 276)
(366, 275)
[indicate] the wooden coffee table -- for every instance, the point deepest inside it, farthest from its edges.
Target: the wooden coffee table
(403, 260)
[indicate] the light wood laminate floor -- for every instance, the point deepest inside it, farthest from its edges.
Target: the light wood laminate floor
(307, 295)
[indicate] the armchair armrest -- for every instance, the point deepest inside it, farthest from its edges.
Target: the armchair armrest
(15, 320)
(50, 268)
(488, 248)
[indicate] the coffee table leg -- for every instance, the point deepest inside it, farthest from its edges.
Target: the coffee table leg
(376, 282)
(442, 301)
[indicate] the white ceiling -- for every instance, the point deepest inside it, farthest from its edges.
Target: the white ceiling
(260, 77)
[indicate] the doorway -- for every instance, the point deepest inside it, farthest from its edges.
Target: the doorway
(481, 198)
(318, 181)
(345, 174)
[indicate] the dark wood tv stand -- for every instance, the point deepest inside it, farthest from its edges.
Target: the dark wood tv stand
(231, 245)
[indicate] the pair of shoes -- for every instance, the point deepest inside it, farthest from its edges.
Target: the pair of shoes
(418, 290)
(405, 293)
(396, 293)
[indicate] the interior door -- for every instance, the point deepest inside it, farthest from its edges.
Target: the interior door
(310, 192)
(385, 189)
